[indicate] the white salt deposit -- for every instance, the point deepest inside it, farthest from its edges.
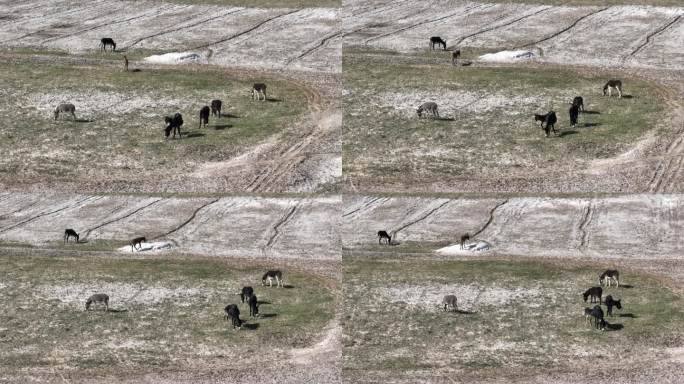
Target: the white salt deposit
(508, 56)
(176, 58)
(480, 246)
(145, 247)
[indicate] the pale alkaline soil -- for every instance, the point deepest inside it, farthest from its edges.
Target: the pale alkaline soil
(117, 142)
(635, 227)
(602, 34)
(165, 316)
(268, 3)
(487, 139)
(254, 227)
(523, 321)
(222, 33)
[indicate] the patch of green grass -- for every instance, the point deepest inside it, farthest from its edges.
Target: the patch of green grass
(487, 128)
(118, 133)
(539, 325)
(268, 3)
(163, 313)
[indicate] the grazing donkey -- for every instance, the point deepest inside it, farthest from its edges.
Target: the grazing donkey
(257, 90)
(594, 292)
(253, 306)
(587, 315)
(216, 108)
(384, 235)
(608, 275)
(578, 101)
(455, 54)
(610, 303)
(98, 298)
(65, 108)
(246, 293)
(173, 123)
(436, 40)
(597, 314)
(137, 241)
(107, 41)
(270, 276)
(617, 84)
(464, 239)
(70, 233)
(549, 119)
(204, 116)
(574, 114)
(449, 301)
(233, 312)
(429, 107)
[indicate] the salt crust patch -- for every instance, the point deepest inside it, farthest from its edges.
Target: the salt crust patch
(120, 294)
(175, 58)
(156, 246)
(470, 297)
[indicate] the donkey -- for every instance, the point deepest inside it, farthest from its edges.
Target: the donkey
(216, 108)
(384, 235)
(204, 116)
(464, 239)
(587, 315)
(233, 312)
(173, 123)
(608, 275)
(246, 293)
(429, 107)
(70, 233)
(436, 40)
(107, 41)
(65, 108)
(98, 298)
(610, 303)
(574, 114)
(597, 314)
(449, 301)
(272, 275)
(578, 101)
(550, 119)
(455, 54)
(253, 306)
(137, 241)
(614, 83)
(594, 292)
(257, 90)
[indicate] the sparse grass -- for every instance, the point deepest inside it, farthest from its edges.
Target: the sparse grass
(268, 3)
(488, 131)
(166, 313)
(119, 134)
(387, 335)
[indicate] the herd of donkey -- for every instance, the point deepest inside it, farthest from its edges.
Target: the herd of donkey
(595, 293)
(547, 121)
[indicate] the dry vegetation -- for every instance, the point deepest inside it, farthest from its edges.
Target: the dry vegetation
(515, 319)
(165, 315)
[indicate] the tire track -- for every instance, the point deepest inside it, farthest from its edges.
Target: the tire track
(584, 223)
(669, 170)
(221, 41)
(460, 12)
(43, 214)
(110, 23)
(363, 206)
(280, 223)
(186, 222)
(501, 25)
(653, 34)
(491, 218)
(121, 218)
(323, 42)
(563, 30)
(181, 28)
(432, 211)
